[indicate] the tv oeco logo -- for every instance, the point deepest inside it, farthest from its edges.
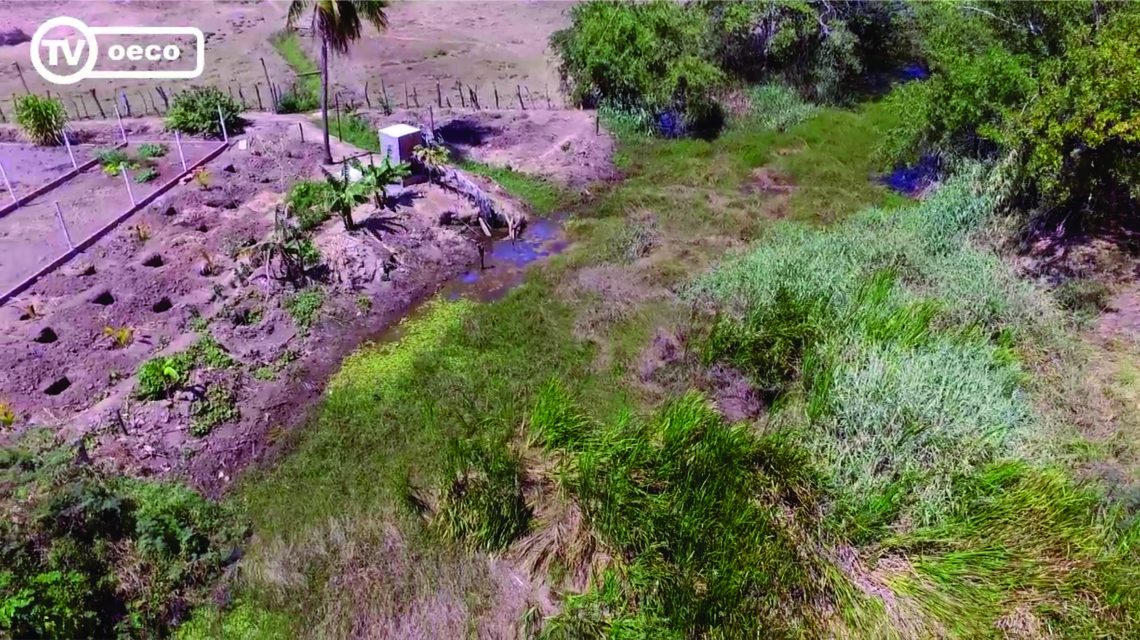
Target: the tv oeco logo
(165, 52)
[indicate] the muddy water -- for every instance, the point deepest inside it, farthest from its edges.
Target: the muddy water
(505, 264)
(506, 261)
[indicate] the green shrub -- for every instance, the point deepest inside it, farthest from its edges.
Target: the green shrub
(88, 555)
(41, 119)
(308, 203)
(113, 161)
(297, 100)
(149, 151)
(197, 110)
(689, 505)
(217, 407)
(146, 174)
(898, 332)
(159, 376)
(638, 56)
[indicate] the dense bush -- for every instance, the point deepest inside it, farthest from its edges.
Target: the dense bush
(196, 111)
(1044, 88)
(671, 61)
(41, 119)
(87, 555)
(639, 56)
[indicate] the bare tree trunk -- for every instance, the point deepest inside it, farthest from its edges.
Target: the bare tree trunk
(325, 97)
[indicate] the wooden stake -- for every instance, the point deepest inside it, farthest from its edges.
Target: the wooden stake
(459, 90)
(165, 101)
(242, 96)
(438, 95)
(367, 100)
(126, 103)
(518, 90)
(431, 120)
(547, 88)
(98, 104)
(336, 105)
(415, 96)
(407, 102)
(257, 90)
(496, 94)
(83, 101)
(269, 84)
(20, 72)
(384, 90)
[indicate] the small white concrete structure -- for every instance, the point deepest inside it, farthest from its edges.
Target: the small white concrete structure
(398, 140)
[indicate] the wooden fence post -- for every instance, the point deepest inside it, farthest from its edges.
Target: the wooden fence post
(257, 90)
(407, 102)
(518, 91)
(98, 104)
(367, 100)
(20, 72)
(415, 96)
(438, 95)
(496, 88)
(126, 103)
(273, 97)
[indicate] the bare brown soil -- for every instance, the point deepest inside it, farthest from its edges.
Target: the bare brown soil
(31, 237)
(59, 369)
(483, 44)
(566, 145)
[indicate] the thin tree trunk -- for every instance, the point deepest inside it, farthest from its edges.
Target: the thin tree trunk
(325, 97)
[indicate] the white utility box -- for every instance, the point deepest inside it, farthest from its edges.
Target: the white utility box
(397, 142)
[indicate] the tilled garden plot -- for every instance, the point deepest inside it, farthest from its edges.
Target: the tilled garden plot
(191, 285)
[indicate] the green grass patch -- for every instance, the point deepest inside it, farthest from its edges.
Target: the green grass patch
(352, 129)
(304, 95)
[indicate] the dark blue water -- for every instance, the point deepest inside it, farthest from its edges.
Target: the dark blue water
(914, 179)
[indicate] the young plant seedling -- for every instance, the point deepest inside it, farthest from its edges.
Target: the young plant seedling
(120, 336)
(141, 232)
(7, 415)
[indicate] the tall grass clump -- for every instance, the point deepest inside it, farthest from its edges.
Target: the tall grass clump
(775, 106)
(41, 119)
(481, 501)
(900, 336)
(691, 508)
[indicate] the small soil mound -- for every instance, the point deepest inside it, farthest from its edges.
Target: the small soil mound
(768, 180)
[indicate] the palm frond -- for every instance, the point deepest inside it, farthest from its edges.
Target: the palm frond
(296, 10)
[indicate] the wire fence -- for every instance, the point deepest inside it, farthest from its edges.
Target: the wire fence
(268, 97)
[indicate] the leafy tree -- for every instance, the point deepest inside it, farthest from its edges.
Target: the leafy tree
(338, 23)
(644, 56)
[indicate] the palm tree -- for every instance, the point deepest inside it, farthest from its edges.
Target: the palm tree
(338, 23)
